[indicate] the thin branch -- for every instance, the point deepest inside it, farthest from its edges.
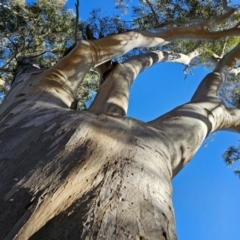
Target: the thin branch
(237, 25)
(179, 23)
(77, 21)
(34, 56)
(153, 11)
(220, 19)
(225, 5)
(224, 47)
(203, 22)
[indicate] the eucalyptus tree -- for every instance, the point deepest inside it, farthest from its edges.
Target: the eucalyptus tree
(97, 174)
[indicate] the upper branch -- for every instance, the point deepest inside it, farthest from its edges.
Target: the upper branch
(76, 22)
(92, 53)
(220, 19)
(225, 5)
(206, 22)
(229, 60)
(113, 94)
(205, 113)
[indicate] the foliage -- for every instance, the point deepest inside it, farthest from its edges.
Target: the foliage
(90, 84)
(42, 31)
(231, 156)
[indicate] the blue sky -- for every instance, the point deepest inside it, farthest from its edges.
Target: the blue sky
(206, 193)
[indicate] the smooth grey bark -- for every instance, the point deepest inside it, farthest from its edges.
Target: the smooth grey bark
(97, 174)
(71, 175)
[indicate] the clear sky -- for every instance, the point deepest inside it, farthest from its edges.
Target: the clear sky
(206, 193)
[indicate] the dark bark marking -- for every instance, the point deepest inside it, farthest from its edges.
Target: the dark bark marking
(164, 234)
(112, 66)
(30, 204)
(208, 112)
(20, 95)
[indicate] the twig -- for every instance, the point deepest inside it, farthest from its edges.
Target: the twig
(36, 55)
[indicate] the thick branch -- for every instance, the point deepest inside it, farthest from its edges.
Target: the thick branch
(233, 122)
(71, 69)
(113, 94)
(229, 61)
(93, 53)
(205, 113)
(215, 60)
(196, 33)
(188, 125)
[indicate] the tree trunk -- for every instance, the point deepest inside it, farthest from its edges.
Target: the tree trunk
(71, 175)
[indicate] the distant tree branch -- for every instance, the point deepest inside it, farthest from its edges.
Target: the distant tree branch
(153, 11)
(220, 19)
(225, 5)
(34, 56)
(76, 22)
(203, 22)
(179, 23)
(224, 47)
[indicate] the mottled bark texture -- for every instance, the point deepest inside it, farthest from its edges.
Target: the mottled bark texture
(97, 174)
